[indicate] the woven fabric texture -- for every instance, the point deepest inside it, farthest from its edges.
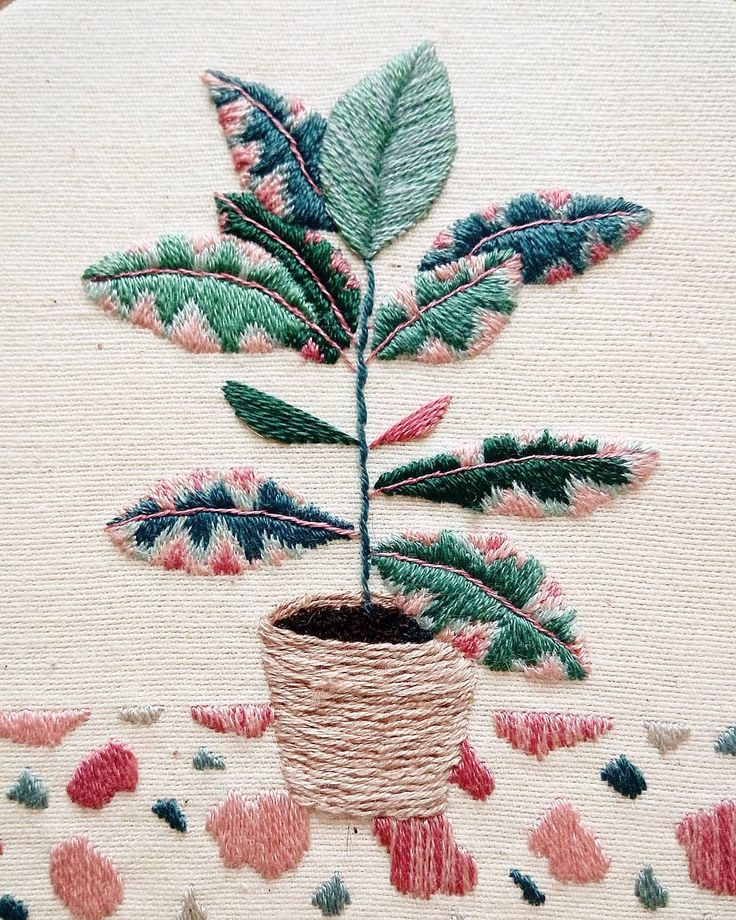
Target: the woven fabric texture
(107, 136)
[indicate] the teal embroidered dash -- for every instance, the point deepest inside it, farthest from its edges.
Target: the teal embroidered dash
(207, 760)
(725, 743)
(624, 776)
(529, 890)
(170, 812)
(649, 890)
(12, 908)
(30, 791)
(332, 897)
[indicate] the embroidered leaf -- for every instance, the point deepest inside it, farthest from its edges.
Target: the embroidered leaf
(275, 143)
(495, 603)
(211, 294)
(529, 476)
(276, 419)
(388, 149)
(557, 234)
(449, 312)
(321, 269)
(416, 425)
(210, 523)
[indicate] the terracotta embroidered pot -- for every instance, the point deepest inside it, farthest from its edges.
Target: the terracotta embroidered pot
(370, 709)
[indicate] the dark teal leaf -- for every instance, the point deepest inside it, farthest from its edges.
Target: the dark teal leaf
(273, 418)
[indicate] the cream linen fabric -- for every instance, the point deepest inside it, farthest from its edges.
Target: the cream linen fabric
(107, 137)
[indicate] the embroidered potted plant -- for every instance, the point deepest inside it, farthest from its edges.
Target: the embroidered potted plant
(371, 694)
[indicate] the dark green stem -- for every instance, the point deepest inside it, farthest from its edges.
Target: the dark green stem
(361, 375)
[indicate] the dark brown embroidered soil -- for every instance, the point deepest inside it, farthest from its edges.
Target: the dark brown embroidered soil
(351, 623)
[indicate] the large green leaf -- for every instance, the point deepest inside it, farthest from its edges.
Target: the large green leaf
(492, 601)
(388, 148)
(450, 312)
(525, 476)
(273, 418)
(212, 294)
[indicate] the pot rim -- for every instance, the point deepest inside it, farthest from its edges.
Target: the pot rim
(269, 623)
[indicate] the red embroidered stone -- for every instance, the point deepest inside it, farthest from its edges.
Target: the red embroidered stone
(709, 838)
(248, 720)
(102, 774)
(425, 860)
(472, 775)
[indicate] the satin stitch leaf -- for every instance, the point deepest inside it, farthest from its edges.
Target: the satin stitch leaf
(274, 142)
(210, 523)
(322, 270)
(489, 599)
(388, 148)
(210, 294)
(526, 476)
(557, 234)
(273, 418)
(449, 312)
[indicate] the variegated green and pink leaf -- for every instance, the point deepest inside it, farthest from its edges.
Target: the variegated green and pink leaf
(449, 312)
(488, 598)
(210, 523)
(210, 294)
(526, 476)
(556, 234)
(322, 270)
(275, 144)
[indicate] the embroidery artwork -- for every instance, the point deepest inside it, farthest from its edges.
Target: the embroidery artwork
(335, 665)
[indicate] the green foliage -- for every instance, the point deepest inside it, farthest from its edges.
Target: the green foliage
(449, 312)
(388, 148)
(531, 476)
(273, 418)
(211, 295)
(484, 582)
(321, 269)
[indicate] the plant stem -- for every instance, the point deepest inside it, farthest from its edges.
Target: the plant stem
(361, 375)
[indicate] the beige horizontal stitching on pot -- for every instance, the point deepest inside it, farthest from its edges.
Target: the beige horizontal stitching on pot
(365, 728)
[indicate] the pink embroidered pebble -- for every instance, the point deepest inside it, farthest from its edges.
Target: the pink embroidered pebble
(103, 773)
(40, 727)
(538, 733)
(709, 838)
(425, 860)
(84, 880)
(472, 775)
(269, 832)
(247, 720)
(573, 852)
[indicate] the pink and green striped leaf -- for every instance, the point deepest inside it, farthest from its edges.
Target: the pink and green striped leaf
(209, 523)
(526, 476)
(488, 598)
(557, 234)
(275, 144)
(322, 270)
(452, 311)
(213, 294)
